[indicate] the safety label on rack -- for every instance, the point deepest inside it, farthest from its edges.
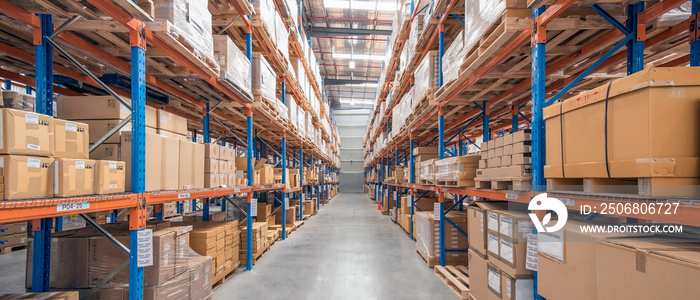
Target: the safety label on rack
(183, 195)
(144, 253)
(254, 207)
(436, 208)
(72, 206)
(286, 201)
(531, 256)
(236, 190)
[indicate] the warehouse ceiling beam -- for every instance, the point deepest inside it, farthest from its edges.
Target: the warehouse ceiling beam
(341, 82)
(328, 31)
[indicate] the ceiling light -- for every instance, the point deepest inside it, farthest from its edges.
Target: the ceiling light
(352, 64)
(359, 56)
(361, 5)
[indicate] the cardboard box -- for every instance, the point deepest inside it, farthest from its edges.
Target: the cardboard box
(491, 153)
(521, 159)
(498, 152)
(191, 167)
(13, 228)
(170, 163)
(70, 139)
(212, 151)
(506, 161)
(26, 177)
(99, 128)
(522, 147)
(172, 135)
(482, 163)
(478, 218)
(508, 150)
(485, 146)
(498, 142)
(478, 281)
(227, 153)
(106, 152)
(494, 162)
(502, 286)
(110, 177)
(73, 177)
(211, 180)
(25, 133)
(171, 122)
(211, 165)
(425, 150)
(154, 167)
(516, 171)
(70, 251)
(91, 108)
(513, 228)
(635, 269)
(507, 140)
(223, 167)
(521, 135)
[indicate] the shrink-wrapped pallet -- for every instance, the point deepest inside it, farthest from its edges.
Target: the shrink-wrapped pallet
(264, 81)
(453, 58)
(281, 36)
(190, 20)
(233, 63)
(429, 73)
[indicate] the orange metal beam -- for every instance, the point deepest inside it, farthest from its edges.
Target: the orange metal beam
(31, 82)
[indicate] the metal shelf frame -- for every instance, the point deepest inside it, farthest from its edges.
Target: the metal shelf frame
(634, 38)
(40, 211)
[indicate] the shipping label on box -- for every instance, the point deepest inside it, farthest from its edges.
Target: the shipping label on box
(110, 177)
(26, 177)
(25, 133)
(70, 139)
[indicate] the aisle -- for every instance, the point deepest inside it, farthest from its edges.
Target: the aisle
(347, 251)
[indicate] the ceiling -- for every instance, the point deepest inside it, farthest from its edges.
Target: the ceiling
(349, 39)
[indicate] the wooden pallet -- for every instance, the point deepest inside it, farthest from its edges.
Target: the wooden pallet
(518, 184)
(632, 186)
(7, 250)
(172, 36)
(431, 262)
(456, 278)
(425, 182)
(228, 276)
(456, 183)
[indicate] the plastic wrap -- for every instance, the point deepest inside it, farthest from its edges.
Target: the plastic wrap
(301, 122)
(191, 19)
(267, 12)
(292, 107)
(453, 58)
(264, 80)
(234, 65)
(479, 16)
(428, 241)
(11, 99)
(82, 258)
(282, 110)
(428, 71)
(281, 36)
(456, 168)
(427, 170)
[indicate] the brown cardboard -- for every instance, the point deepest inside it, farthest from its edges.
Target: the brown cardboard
(25, 133)
(98, 108)
(171, 122)
(106, 152)
(163, 258)
(170, 162)
(223, 167)
(13, 228)
(477, 214)
(491, 153)
(516, 288)
(507, 140)
(508, 150)
(517, 171)
(212, 150)
(506, 160)
(99, 128)
(425, 150)
(478, 283)
(521, 135)
(522, 147)
(70, 139)
(73, 177)
(26, 177)
(494, 162)
(172, 135)
(521, 159)
(498, 142)
(513, 228)
(71, 253)
(628, 269)
(110, 177)
(211, 180)
(13, 240)
(212, 165)
(154, 167)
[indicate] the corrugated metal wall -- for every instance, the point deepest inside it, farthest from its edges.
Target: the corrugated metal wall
(352, 124)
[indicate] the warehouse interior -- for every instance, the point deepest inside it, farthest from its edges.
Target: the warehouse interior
(349, 149)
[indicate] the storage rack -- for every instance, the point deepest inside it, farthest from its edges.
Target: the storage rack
(191, 98)
(505, 106)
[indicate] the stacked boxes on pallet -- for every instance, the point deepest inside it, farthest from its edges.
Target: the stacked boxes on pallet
(19, 101)
(456, 170)
(506, 161)
(429, 73)
(219, 166)
(221, 241)
(82, 258)
(453, 59)
(423, 163)
(12, 235)
(426, 232)
(259, 238)
(264, 80)
(234, 65)
(593, 140)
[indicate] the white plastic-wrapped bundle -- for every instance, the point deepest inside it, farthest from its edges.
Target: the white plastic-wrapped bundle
(292, 107)
(282, 111)
(281, 36)
(428, 72)
(267, 12)
(234, 65)
(479, 16)
(453, 58)
(293, 11)
(264, 80)
(191, 19)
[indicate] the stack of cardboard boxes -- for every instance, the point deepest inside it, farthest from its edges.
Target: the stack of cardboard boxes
(498, 251)
(260, 242)
(424, 157)
(220, 166)
(82, 258)
(427, 234)
(505, 161)
(43, 157)
(220, 240)
(422, 204)
(457, 170)
(12, 235)
(263, 174)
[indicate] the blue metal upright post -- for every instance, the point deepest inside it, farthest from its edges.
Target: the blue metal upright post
(635, 47)
(441, 48)
(249, 170)
(193, 202)
(137, 218)
(538, 41)
(539, 36)
(301, 178)
(44, 105)
(207, 139)
(412, 179)
(485, 116)
(311, 184)
(398, 190)
(695, 36)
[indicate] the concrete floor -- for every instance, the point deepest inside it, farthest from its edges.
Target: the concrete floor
(347, 251)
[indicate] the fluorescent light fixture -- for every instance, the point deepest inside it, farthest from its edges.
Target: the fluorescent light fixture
(361, 5)
(374, 85)
(356, 102)
(352, 64)
(359, 56)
